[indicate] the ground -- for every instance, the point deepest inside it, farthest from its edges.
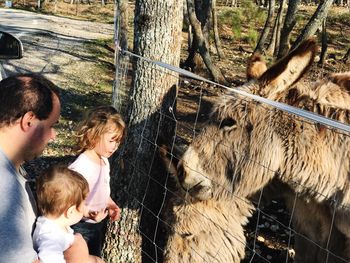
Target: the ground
(83, 65)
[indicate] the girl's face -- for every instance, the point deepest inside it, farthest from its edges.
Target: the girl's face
(107, 144)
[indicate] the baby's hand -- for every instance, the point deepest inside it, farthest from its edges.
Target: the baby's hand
(98, 216)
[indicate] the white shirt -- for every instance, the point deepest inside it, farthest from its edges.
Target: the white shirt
(98, 178)
(50, 240)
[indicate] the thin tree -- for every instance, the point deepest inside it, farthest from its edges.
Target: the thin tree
(315, 21)
(260, 47)
(137, 188)
(276, 32)
(346, 56)
(200, 44)
(324, 43)
(289, 23)
(215, 29)
(121, 89)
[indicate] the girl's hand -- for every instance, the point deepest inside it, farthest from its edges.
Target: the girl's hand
(113, 210)
(98, 216)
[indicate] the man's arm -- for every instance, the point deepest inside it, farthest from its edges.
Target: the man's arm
(78, 252)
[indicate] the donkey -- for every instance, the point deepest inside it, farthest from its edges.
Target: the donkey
(312, 221)
(249, 144)
(204, 230)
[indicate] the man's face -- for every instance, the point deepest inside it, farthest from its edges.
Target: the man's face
(43, 131)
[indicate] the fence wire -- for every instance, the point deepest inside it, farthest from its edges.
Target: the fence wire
(273, 231)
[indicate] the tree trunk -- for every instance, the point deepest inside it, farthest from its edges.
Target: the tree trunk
(121, 89)
(215, 29)
(346, 56)
(276, 34)
(204, 14)
(314, 22)
(324, 43)
(188, 24)
(202, 47)
(288, 25)
(138, 187)
(260, 47)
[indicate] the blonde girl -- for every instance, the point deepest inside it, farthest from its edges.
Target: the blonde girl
(98, 137)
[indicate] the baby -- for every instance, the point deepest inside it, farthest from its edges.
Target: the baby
(61, 195)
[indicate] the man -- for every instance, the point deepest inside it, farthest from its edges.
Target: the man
(29, 108)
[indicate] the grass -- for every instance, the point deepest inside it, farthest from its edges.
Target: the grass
(244, 22)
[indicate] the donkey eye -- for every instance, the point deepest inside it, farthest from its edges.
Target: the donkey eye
(227, 123)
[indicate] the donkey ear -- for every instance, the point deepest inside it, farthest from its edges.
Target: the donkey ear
(288, 70)
(256, 66)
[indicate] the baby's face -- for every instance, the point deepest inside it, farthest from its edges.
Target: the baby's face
(107, 144)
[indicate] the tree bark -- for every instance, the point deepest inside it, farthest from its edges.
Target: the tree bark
(260, 47)
(288, 25)
(324, 43)
(215, 29)
(314, 22)
(276, 34)
(121, 89)
(202, 47)
(346, 56)
(138, 187)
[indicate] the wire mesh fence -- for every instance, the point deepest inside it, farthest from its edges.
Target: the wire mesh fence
(277, 181)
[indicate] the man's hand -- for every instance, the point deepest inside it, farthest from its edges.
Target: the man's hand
(78, 252)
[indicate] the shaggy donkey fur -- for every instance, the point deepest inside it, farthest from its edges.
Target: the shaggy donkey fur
(204, 231)
(312, 221)
(249, 144)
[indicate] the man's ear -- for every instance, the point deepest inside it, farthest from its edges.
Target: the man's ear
(27, 120)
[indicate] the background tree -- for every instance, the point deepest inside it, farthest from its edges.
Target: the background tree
(346, 56)
(215, 30)
(260, 47)
(200, 41)
(157, 36)
(289, 23)
(324, 43)
(315, 21)
(121, 89)
(276, 32)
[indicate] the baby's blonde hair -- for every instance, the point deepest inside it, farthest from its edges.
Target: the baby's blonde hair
(59, 188)
(96, 123)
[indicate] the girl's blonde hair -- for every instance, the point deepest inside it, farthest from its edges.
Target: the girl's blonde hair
(97, 122)
(59, 188)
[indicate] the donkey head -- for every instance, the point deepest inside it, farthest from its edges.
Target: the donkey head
(218, 161)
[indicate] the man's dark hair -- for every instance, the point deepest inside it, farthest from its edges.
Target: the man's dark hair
(23, 93)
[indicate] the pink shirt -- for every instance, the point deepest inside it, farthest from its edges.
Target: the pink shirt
(98, 178)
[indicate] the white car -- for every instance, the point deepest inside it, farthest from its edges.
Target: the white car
(10, 48)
